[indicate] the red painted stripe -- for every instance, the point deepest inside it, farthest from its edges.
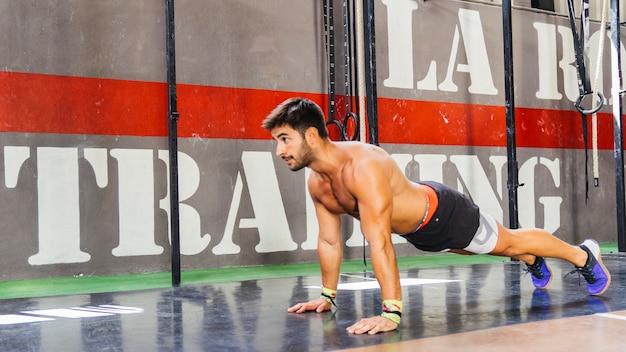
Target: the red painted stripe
(76, 105)
(233, 113)
(441, 123)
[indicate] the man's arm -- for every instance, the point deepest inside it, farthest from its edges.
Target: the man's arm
(329, 246)
(370, 186)
(329, 250)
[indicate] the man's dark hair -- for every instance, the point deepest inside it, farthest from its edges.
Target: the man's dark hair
(299, 114)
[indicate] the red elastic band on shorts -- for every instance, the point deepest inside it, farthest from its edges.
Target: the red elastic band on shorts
(433, 202)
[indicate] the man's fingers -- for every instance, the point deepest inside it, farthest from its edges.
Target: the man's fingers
(303, 308)
(324, 306)
(372, 326)
(359, 327)
(296, 308)
(317, 305)
(374, 330)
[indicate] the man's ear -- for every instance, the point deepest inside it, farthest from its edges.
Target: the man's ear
(311, 135)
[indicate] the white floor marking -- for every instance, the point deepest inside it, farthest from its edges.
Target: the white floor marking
(370, 285)
(612, 316)
(66, 313)
(10, 319)
(111, 309)
(34, 316)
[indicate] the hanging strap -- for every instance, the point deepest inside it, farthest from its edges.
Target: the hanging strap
(581, 50)
(596, 86)
(584, 84)
(346, 57)
(329, 39)
(360, 64)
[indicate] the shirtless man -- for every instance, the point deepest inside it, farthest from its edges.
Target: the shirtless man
(363, 181)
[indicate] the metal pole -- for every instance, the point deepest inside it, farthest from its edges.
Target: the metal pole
(370, 71)
(172, 141)
(618, 137)
(509, 106)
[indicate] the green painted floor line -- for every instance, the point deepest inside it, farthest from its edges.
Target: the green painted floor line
(118, 283)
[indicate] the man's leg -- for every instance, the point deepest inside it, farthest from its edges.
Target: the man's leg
(526, 244)
(533, 245)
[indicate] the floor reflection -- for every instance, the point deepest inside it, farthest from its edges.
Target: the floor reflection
(252, 315)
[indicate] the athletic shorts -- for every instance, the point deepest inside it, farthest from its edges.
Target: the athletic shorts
(457, 223)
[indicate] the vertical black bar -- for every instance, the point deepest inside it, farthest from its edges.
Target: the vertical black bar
(347, 87)
(355, 66)
(172, 140)
(371, 102)
(618, 136)
(329, 35)
(509, 105)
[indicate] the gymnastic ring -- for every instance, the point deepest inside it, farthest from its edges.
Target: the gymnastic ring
(355, 119)
(592, 111)
(342, 131)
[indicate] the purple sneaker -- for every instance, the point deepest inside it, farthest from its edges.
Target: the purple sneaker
(595, 273)
(540, 273)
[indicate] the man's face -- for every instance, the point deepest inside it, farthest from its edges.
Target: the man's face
(292, 147)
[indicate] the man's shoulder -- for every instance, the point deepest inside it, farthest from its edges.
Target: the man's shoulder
(370, 157)
(316, 182)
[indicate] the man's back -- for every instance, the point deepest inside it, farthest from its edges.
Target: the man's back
(367, 166)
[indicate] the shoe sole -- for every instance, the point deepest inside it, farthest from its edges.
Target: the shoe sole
(608, 274)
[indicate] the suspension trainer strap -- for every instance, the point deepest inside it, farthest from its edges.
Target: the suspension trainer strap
(347, 64)
(329, 38)
(596, 87)
(360, 64)
(584, 84)
(583, 116)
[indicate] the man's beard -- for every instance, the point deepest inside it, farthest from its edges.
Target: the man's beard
(304, 159)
